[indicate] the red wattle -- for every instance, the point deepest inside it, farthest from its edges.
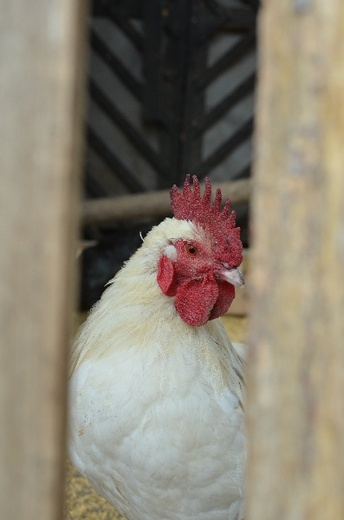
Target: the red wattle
(222, 304)
(198, 300)
(195, 300)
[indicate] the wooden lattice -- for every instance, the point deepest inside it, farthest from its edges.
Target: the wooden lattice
(171, 88)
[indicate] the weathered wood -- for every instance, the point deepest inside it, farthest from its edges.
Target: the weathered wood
(152, 204)
(296, 377)
(41, 49)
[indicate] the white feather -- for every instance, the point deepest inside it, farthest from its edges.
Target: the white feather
(156, 418)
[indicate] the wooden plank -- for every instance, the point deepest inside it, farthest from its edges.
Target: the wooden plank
(296, 376)
(152, 204)
(41, 61)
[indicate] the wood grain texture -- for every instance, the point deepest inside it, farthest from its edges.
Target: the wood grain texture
(152, 204)
(296, 379)
(41, 62)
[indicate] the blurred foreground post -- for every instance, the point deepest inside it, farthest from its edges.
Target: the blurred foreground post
(41, 63)
(296, 379)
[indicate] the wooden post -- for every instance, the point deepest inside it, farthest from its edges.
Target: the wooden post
(41, 63)
(296, 376)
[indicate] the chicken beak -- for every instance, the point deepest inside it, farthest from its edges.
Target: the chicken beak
(233, 276)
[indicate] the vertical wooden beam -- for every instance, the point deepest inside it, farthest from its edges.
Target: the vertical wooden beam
(296, 379)
(41, 63)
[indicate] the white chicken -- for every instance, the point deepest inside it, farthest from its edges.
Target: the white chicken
(156, 392)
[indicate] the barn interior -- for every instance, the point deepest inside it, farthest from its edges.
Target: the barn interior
(104, 106)
(170, 93)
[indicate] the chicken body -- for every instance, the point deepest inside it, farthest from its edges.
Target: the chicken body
(156, 404)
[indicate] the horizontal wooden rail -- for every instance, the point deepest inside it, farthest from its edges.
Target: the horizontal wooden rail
(153, 204)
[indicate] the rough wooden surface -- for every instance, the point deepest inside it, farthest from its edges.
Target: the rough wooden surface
(156, 204)
(296, 384)
(40, 94)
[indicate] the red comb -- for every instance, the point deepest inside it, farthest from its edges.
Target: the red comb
(191, 205)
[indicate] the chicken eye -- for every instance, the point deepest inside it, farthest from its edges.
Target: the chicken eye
(191, 250)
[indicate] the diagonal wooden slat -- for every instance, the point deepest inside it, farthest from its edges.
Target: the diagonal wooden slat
(127, 28)
(106, 54)
(244, 173)
(235, 53)
(127, 128)
(173, 47)
(225, 149)
(113, 162)
(152, 59)
(216, 113)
